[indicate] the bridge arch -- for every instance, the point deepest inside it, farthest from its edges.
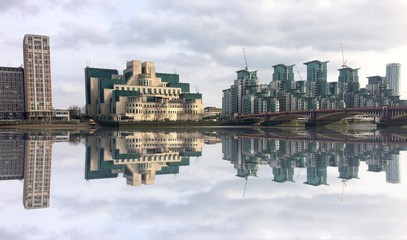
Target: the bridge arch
(339, 116)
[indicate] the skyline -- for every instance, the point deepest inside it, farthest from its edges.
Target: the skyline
(204, 41)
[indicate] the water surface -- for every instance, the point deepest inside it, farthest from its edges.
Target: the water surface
(207, 184)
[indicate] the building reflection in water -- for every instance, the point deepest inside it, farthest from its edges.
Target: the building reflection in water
(37, 171)
(314, 152)
(27, 157)
(12, 147)
(140, 156)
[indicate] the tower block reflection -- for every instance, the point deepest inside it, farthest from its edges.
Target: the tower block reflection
(140, 156)
(315, 153)
(37, 171)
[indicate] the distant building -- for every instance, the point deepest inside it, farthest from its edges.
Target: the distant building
(349, 85)
(393, 77)
(37, 73)
(317, 78)
(284, 94)
(11, 93)
(140, 94)
(284, 74)
(212, 113)
(61, 114)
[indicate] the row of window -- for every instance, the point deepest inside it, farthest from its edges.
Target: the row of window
(169, 145)
(164, 91)
(151, 112)
(162, 140)
(151, 158)
(8, 96)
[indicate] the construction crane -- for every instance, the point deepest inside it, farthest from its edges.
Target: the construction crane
(245, 186)
(245, 60)
(299, 74)
(343, 59)
(343, 186)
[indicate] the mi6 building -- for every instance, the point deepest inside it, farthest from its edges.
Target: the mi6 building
(140, 94)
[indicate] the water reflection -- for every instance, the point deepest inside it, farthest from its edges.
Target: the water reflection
(140, 156)
(27, 157)
(315, 152)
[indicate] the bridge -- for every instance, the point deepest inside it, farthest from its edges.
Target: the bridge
(383, 116)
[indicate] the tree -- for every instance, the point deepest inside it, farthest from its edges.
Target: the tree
(75, 112)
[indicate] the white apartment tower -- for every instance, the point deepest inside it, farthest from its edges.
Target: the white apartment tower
(393, 77)
(37, 74)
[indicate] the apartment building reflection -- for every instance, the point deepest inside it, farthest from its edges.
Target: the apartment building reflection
(27, 157)
(37, 171)
(12, 147)
(140, 156)
(248, 152)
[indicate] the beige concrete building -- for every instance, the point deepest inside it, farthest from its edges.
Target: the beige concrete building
(37, 73)
(140, 94)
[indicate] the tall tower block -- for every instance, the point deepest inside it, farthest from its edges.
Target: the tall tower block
(37, 73)
(393, 77)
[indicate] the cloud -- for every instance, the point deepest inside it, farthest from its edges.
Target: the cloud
(26, 6)
(204, 40)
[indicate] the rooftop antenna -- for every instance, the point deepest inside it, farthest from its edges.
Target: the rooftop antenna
(245, 60)
(343, 59)
(197, 89)
(175, 70)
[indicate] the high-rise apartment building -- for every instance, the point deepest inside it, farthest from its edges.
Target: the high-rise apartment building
(283, 72)
(37, 73)
(11, 93)
(393, 77)
(317, 78)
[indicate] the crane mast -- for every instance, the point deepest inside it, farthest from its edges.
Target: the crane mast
(343, 59)
(245, 60)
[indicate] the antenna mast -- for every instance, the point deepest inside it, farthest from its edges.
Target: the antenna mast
(245, 60)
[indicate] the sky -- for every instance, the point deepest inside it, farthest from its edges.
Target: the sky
(203, 40)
